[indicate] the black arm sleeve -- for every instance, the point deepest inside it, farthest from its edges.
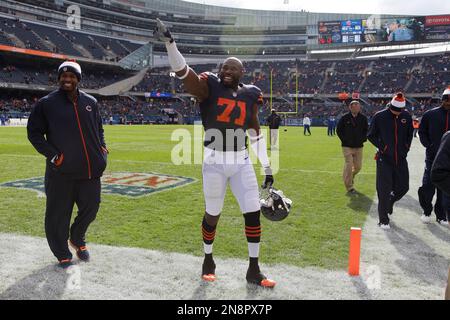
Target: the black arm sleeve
(440, 171)
(37, 127)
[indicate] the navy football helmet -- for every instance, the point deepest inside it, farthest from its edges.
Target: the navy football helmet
(275, 206)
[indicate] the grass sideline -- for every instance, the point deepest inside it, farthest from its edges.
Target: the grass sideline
(315, 234)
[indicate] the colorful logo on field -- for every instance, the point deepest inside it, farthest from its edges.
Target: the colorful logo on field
(118, 183)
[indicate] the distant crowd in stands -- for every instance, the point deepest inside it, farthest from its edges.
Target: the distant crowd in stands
(47, 76)
(428, 74)
(125, 110)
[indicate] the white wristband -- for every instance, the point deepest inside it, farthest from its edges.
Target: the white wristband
(176, 60)
(184, 75)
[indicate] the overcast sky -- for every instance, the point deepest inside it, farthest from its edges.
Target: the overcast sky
(400, 7)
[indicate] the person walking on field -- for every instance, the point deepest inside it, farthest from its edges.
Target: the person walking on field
(352, 131)
(306, 125)
(391, 132)
(440, 176)
(274, 121)
(66, 127)
(434, 124)
(331, 126)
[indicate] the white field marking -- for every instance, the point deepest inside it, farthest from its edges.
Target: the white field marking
(162, 163)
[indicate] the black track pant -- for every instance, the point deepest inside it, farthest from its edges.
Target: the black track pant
(306, 129)
(62, 193)
(392, 185)
(426, 194)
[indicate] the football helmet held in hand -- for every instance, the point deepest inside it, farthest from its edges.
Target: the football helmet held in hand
(275, 206)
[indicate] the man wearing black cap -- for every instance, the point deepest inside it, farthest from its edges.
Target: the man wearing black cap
(65, 126)
(434, 124)
(391, 131)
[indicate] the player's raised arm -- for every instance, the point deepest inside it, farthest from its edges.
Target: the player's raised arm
(194, 84)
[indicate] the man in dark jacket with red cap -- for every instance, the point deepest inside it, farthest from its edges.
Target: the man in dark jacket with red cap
(391, 131)
(65, 126)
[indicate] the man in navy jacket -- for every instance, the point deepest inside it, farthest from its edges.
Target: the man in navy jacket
(391, 131)
(440, 176)
(65, 126)
(434, 124)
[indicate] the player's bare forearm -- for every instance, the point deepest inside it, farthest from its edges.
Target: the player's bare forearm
(193, 84)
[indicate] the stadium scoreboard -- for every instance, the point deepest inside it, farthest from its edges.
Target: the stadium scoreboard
(376, 29)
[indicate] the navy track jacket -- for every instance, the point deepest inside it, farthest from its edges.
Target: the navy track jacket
(391, 134)
(434, 124)
(57, 126)
(440, 171)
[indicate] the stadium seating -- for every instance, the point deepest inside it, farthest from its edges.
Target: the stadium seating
(187, 27)
(425, 75)
(60, 40)
(324, 77)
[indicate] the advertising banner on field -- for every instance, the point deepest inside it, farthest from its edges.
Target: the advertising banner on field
(155, 94)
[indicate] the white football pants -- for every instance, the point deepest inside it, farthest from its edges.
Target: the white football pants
(219, 168)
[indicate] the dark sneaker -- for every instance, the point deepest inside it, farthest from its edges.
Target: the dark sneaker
(65, 263)
(259, 279)
(82, 252)
(209, 270)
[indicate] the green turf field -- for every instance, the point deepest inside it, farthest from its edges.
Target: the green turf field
(315, 234)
